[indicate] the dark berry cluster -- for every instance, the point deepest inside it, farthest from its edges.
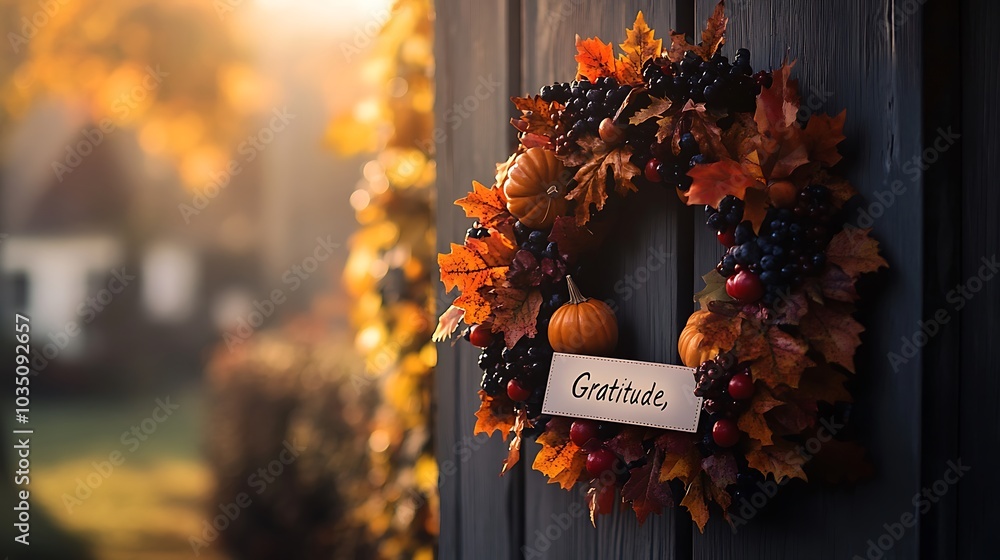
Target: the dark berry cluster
(726, 387)
(790, 246)
(716, 82)
(587, 104)
(538, 262)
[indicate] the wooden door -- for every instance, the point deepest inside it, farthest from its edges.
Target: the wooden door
(884, 62)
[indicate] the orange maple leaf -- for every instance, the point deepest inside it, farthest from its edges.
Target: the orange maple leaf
(822, 134)
(561, 460)
(473, 268)
(515, 313)
(595, 59)
(485, 204)
(640, 45)
(712, 37)
(855, 252)
(713, 181)
(776, 357)
(593, 179)
(753, 421)
(781, 461)
(494, 414)
(831, 329)
(538, 117)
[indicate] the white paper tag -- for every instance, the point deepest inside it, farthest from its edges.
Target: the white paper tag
(640, 393)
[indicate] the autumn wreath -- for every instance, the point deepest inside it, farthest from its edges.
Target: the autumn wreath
(774, 340)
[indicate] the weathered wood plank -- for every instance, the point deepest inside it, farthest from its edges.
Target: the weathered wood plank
(852, 54)
(480, 513)
(629, 273)
(980, 355)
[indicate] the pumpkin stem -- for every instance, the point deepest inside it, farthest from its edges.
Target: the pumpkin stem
(575, 297)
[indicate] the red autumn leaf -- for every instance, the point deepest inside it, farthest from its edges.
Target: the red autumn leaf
(753, 421)
(837, 285)
(713, 181)
(855, 252)
(593, 178)
(594, 58)
(485, 204)
(495, 414)
(645, 491)
(514, 450)
(778, 105)
(712, 37)
(776, 357)
(628, 444)
(702, 126)
(640, 45)
(840, 189)
(831, 329)
(561, 460)
(720, 468)
(571, 238)
(822, 134)
(515, 313)
(538, 117)
(755, 205)
(780, 461)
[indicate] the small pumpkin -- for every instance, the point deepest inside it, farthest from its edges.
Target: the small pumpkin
(533, 189)
(691, 345)
(583, 326)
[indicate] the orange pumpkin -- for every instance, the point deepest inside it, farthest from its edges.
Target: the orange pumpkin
(691, 345)
(533, 189)
(583, 326)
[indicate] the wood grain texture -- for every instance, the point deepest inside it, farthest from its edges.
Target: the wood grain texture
(978, 492)
(644, 291)
(852, 54)
(480, 513)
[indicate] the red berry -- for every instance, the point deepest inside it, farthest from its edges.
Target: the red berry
(745, 286)
(600, 461)
(581, 432)
(741, 386)
(480, 336)
(724, 432)
(651, 172)
(727, 238)
(516, 391)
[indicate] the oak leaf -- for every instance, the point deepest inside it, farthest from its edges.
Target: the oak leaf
(713, 181)
(644, 489)
(561, 460)
(855, 252)
(515, 313)
(780, 461)
(485, 204)
(753, 421)
(640, 45)
(594, 58)
(494, 414)
(776, 357)
(831, 329)
(612, 167)
(656, 108)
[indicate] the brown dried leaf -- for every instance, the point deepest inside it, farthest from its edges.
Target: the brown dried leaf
(831, 329)
(515, 313)
(561, 460)
(593, 178)
(780, 461)
(514, 450)
(753, 421)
